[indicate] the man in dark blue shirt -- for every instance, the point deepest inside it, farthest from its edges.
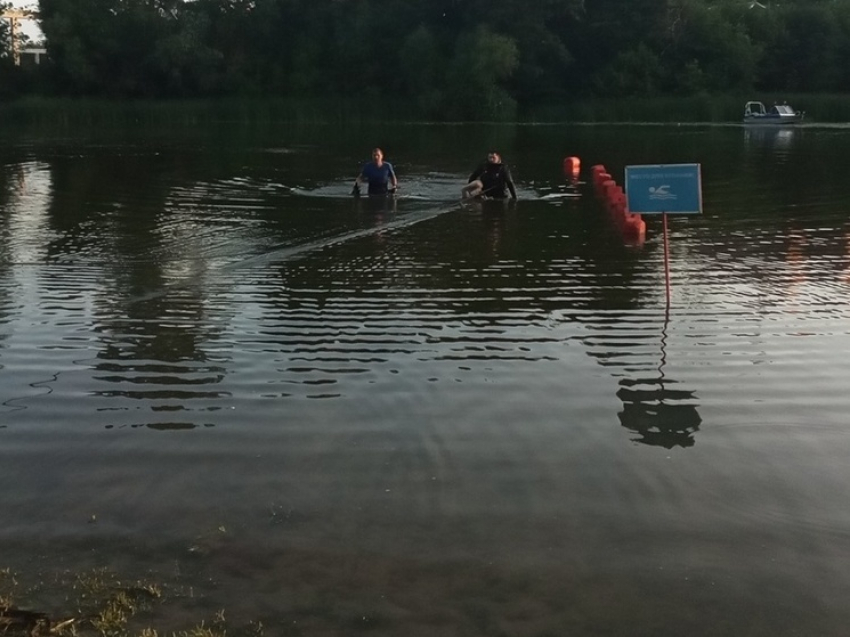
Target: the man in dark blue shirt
(379, 174)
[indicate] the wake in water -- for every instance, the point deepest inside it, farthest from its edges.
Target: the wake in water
(286, 251)
(437, 187)
(289, 251)
(238, 203)
(430, 187)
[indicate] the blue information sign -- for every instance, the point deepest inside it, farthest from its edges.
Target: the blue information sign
(664, 188)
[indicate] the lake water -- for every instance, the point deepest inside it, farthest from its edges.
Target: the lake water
(414, 416)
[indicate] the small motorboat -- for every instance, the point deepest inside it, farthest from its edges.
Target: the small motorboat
(777, 115)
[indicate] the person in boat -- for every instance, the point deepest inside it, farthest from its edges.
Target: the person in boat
(379, 174)
(492, 179)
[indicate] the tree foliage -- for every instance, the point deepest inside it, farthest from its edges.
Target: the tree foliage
(451, 58)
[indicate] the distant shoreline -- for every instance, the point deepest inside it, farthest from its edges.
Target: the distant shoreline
(821, 110)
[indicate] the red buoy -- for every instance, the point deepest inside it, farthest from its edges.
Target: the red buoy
(634, 226)
(614, 199)
(572, 167)
(608, 188)
(595, 170)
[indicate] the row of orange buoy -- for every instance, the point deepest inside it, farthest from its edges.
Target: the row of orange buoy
(572, 167)
(614, 199)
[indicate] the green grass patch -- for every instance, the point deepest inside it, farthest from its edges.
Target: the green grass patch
(98, 604)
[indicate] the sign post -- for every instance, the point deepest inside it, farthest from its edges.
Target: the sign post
(664, 189)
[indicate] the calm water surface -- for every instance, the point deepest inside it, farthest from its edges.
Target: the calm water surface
(416, 417)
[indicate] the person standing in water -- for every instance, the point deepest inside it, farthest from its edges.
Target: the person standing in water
(492, 179)
(379, 174)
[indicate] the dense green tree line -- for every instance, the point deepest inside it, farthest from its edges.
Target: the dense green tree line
(450, 58)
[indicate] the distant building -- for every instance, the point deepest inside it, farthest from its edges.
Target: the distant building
(14, 16)
(32, 55)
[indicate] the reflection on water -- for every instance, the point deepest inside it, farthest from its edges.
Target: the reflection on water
(459, 418)
(656, 409)
(777, 138)
(657, 419)
(26, 204)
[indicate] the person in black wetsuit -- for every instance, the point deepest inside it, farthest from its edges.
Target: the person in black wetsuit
(492, 180)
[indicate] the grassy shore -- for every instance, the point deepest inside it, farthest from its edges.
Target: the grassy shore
(66, 112)
(98, 603)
